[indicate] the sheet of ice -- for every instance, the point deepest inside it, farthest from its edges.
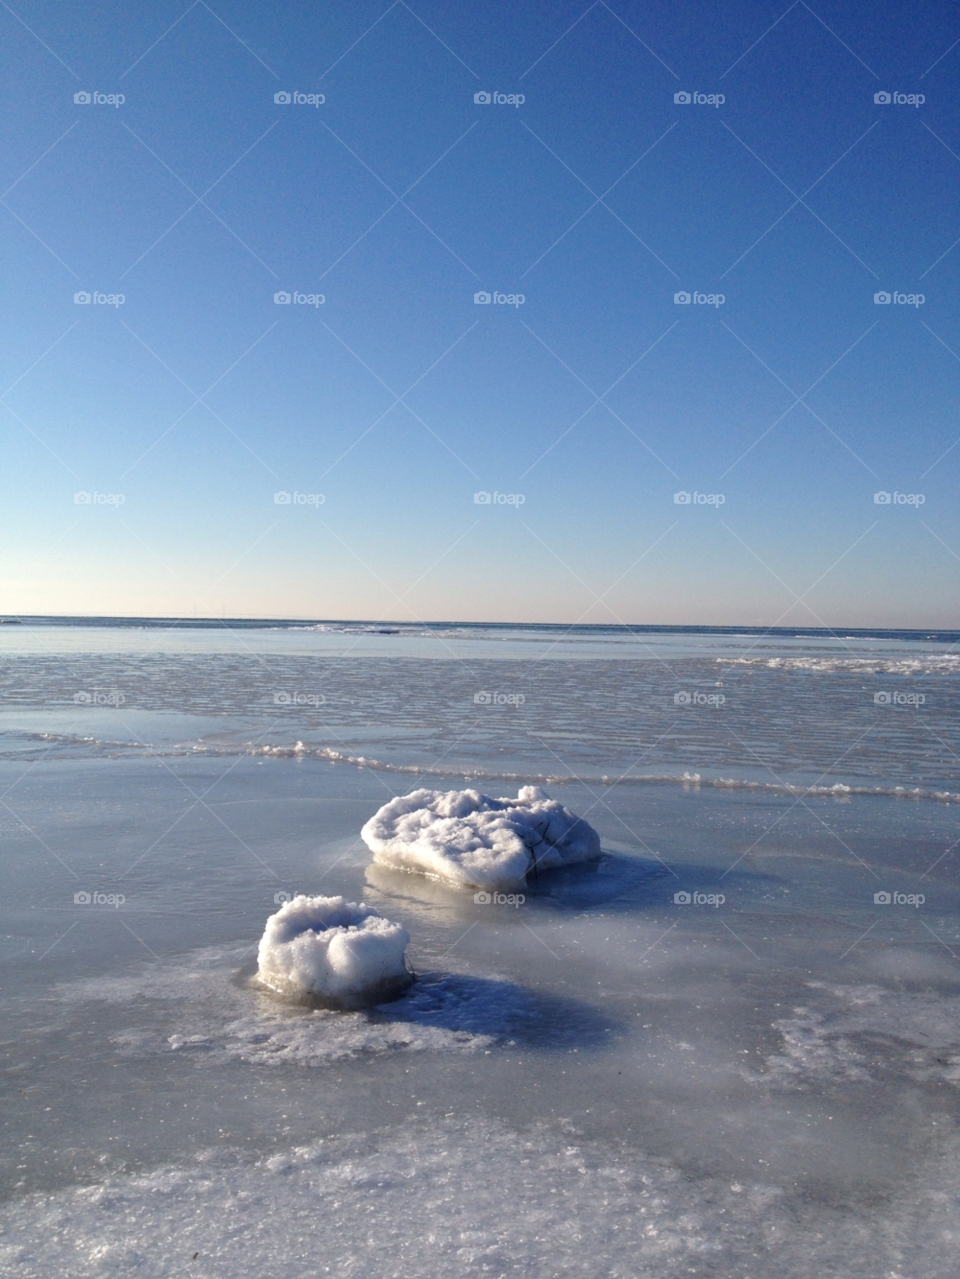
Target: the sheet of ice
(367, 714)
(471, 839)
(467, 1197)
(870, 1034)
(197, 1009)
(334, 950)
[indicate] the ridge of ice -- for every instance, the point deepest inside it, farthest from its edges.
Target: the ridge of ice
(476, 841)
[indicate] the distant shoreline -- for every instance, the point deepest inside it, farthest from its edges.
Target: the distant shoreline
(394, 628)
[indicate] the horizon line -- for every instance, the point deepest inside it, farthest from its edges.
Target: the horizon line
(211, 621)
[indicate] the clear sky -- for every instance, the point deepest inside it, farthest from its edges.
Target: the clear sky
(399, 398)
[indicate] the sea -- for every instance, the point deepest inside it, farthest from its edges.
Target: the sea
(728, 1048)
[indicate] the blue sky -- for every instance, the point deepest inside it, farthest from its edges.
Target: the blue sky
(399, 398)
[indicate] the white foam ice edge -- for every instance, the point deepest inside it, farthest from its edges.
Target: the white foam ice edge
(326, 948)
(927, 664)
(687, 779)
(471, 839)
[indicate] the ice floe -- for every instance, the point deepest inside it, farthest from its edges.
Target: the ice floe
(469, 838)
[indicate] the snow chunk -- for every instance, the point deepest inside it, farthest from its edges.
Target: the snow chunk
(470, 839)
(332, 952)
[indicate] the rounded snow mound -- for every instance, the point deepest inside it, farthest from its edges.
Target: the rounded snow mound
(474, 840)
(334, 953)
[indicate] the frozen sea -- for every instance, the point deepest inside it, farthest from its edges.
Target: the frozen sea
(608, 1080)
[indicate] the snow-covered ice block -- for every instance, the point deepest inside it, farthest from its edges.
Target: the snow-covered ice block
(329, 951)
(473, 840)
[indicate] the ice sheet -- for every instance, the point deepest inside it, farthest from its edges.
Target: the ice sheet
(467, 1196)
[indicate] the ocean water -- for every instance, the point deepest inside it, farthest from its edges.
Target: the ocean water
(608, 1079)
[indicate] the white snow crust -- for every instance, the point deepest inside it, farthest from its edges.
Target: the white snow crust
(333, 949)
(471, 1198)
(471, 839)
